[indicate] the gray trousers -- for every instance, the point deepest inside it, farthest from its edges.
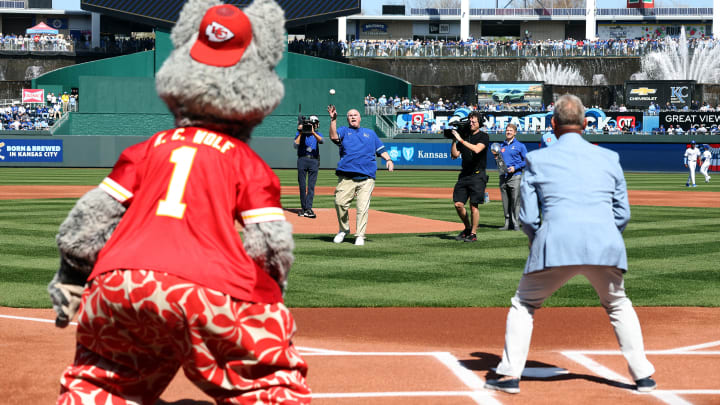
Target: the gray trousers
(510, 193)
(536, 287)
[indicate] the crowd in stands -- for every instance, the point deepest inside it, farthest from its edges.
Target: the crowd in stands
(61, 43)
(526, 47)
(34, 117)
(37, 116)
(122, 45)
(36, 43)
(392, 105)
(326, 48)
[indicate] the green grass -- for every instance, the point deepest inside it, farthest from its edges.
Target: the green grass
(399, 178)
(672, 252)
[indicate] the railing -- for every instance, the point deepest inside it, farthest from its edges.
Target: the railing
(12, 4)
(530, 12)
(500, 50)
(379, 110)
(668, 12)
(388, 129)
(27, 44)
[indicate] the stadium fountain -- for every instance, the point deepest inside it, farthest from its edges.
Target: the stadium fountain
(32, 72)
(599, 80)
(550, 73)
(488, 77)
(675, 61)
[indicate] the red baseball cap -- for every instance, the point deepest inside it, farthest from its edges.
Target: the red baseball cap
(225, 33)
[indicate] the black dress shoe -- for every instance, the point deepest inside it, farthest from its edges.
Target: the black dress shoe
(511, 386)
(645, 384)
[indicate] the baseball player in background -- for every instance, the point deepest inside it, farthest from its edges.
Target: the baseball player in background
(706, 155)
(691, 156)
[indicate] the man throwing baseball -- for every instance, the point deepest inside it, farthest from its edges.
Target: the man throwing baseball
(574, 229)
(355, 171)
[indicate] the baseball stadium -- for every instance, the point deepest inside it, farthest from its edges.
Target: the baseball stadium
(415, 315)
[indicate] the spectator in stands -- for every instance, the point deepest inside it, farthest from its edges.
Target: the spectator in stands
(72, 103)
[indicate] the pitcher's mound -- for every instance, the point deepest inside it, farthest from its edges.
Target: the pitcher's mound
(378, 222)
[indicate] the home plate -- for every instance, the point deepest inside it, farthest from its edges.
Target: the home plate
(542, 372)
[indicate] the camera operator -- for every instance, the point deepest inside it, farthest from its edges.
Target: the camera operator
(471, 145)
(307, 140)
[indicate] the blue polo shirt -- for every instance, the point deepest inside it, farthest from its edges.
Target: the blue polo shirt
(358, 148)
(513, 154)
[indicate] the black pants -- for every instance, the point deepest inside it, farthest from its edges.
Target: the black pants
(307, 168)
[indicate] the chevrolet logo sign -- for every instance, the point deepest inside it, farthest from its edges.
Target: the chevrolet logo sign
(643, 91)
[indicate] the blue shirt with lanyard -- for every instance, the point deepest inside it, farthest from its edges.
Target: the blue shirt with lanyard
(308, 145)
(358, 148)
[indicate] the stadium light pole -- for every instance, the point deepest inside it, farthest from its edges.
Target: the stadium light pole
(591, 19)
(465, 19)
(342, 28)
(716, 19)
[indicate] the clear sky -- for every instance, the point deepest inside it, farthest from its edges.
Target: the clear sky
(70, 4)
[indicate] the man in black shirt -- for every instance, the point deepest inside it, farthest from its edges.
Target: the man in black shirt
(472, 179)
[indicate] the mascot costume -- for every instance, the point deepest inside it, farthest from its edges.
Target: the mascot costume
(151, 258)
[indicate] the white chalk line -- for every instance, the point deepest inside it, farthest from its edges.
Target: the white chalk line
(23, 318)
(670, 397)
(467, 377)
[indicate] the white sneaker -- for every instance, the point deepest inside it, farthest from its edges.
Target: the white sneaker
(339, 237)
(360, 241)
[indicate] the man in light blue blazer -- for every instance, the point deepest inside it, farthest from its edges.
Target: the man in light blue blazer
(574, 207)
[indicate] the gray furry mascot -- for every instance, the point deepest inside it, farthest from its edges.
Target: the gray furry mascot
(151, 260)
(230, 96)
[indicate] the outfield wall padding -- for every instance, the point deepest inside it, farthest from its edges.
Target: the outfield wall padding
(278, 152)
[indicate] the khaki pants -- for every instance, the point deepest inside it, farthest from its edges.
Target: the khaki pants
(347, 189)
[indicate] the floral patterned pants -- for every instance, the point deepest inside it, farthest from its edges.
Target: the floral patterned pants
(136, 328)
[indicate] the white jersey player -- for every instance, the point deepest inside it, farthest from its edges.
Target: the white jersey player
(706, 156)
(691, 157)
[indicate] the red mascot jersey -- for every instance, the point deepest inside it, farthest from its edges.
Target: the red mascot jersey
(184, 188)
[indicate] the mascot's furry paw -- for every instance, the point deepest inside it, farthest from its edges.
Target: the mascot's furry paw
(80, 237)
(271, 244)
(65, 294)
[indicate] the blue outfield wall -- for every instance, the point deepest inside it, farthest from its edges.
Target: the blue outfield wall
(278, 152)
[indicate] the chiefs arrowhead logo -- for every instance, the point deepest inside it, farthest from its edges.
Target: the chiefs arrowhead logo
(218, 33)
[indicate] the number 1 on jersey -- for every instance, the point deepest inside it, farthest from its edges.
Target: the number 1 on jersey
(172, 205)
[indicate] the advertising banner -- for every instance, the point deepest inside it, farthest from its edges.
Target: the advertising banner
(33, 95)
(640, 3)
(414, 118)
(527, 121)
(650, 31)
(421, 154)
(31, 150)
(689, 119)
(517, 94)
(538, 122)
(640, 93)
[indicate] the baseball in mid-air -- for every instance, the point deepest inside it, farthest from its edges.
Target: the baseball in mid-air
(332, 91)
